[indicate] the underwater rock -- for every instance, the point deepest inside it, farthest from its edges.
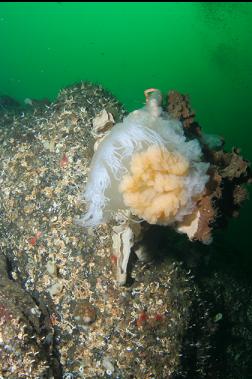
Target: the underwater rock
(8, 102)
(160, 324)
(231, 300)
(25, 346)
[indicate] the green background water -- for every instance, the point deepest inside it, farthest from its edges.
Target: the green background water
(203, 49)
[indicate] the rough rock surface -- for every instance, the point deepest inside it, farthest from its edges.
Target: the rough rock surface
(161, 325)
(26, 341)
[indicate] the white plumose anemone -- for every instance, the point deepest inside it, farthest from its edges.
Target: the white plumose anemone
(145, 165)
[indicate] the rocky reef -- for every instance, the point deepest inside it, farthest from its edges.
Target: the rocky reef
(62, 313)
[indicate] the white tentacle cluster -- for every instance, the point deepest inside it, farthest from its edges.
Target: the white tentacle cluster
(146, 165)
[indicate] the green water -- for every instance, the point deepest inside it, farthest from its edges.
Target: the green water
(203, 49)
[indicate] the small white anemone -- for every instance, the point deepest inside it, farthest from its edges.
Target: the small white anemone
(145, 165)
